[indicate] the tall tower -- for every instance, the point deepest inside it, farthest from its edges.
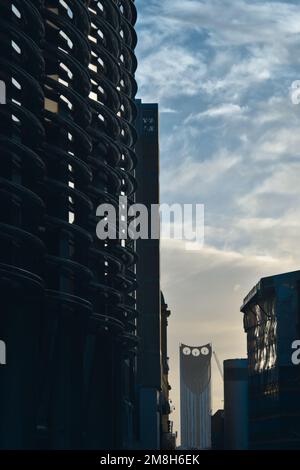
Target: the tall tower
(148, 278)
(67, 142)
(195, 396)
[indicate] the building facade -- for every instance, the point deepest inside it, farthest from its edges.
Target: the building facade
(168, 436)
(148, 278)
(217, 430)
(236, 404)
(272, 321)
(195, 396)
(154, 428)
(67, 142)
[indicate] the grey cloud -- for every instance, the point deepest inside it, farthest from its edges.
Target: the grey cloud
(226, 68)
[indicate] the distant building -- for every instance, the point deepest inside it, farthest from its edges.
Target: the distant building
(271, 321)
(195, 396)
(217, 430)
(168, 436)
(236, 404)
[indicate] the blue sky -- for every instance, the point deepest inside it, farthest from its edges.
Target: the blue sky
(222, 71)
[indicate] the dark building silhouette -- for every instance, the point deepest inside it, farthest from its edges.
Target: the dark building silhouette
(154, 428)
(217, 430)
(271, 321)
(168, 436)
(236, 404)
(195, 396)
(67, 142)
(148, 278)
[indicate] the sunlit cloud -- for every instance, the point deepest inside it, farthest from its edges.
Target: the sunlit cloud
(222, 72)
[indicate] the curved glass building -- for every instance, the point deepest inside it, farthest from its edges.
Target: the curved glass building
(67, 142)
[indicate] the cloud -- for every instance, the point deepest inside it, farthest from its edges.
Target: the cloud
(204, 291)
(224, 110)
(168, 110)
(226, 68)
(245, 42)
(190, 172)
(232, 22)
(171, 71)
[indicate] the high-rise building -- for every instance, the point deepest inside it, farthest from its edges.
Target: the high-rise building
(67, 142)
(271, 322)
(154, 428)
(236, 404)
(195, 396)
(148, 278)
